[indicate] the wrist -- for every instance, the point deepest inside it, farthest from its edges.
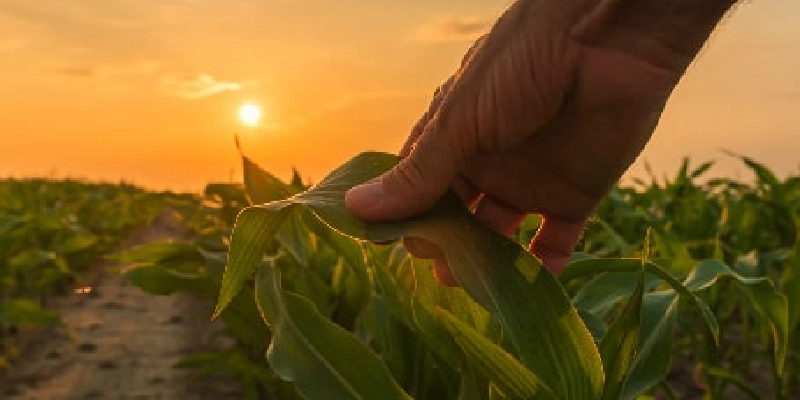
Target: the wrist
(671, 32)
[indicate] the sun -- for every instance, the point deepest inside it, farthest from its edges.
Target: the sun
(250, 114)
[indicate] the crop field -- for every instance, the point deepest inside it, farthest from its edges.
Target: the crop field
(682, 287)
(51, 232)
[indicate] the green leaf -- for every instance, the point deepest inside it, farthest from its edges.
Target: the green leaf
(494, 270)
(584, 267)
(500, 275)
(159, 272)
(607, 289)
(226, 193)
(511, 377)
(254, 229)
(474, 387)
(177, 256)
(770, 303)
(790, 286)
(408, 287)
(31, 259)
(393, 340)
(702, 169)
(25, 313)
(619, 345)
(160, 281)
(767, 300)
(326, 199)
(261, 186)
(766, 178)
(255, 377)
(672, 251)
(351, 251)
(77, 242)
(737, 380)
(302, 281)
(659, 317)
(406, 293)
(322, 359)
(295, 238)
(596, 326)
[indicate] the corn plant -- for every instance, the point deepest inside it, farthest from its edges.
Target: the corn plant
(351, 319)
(51, 233)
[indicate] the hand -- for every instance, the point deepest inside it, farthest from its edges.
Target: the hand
(544, 115)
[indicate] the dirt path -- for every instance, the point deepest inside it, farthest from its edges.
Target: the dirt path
(119, 343)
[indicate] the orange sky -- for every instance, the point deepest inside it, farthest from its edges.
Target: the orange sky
(147, 90)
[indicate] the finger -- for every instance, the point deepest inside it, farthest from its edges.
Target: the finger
(467, 192)
(486, 107)
(414, 184)
(438, 95)
(417, 130)
(554, 242)
(421, 248)
(498, 217)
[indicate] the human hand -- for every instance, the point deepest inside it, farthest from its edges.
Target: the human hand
(544, 115)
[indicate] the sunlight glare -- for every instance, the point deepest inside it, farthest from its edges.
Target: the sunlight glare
(250, 114)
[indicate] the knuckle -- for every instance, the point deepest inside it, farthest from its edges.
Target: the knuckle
(406, 176)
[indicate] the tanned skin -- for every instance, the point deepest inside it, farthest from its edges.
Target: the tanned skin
(545, 114)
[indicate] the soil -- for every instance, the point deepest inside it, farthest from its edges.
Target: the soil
(118, 342)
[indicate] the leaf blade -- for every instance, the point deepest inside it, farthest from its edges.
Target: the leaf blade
(321, 358)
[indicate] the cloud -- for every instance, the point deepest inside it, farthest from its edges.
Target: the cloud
(199, 86)
(452, 29)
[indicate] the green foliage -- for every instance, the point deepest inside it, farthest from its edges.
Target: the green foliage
(512, 331)
(318, 310)
(570, 363)
(51, 233)
(321, 358)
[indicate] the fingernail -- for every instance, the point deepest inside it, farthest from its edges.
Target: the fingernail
(364, 198)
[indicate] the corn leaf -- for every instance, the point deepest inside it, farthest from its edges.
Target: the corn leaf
(790, 286)
(26, 313)
(607, 289)
(254, 229)
(322, 359)
(767, 300)
(659, 317)
(591, 266)
(619, 345)
(409, 289)
(496, 272)
(511, 377)
(261, 186)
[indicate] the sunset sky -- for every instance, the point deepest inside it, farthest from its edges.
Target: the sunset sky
(148, 90)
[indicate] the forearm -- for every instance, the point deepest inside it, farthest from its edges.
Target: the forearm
(674, 30)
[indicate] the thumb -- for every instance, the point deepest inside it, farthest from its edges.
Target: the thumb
(554, 242)
(412, 186)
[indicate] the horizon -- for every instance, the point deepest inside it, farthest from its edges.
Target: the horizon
(148, 92)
